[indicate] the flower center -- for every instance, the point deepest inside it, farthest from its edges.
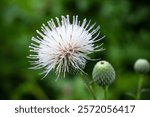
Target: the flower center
(68, 51)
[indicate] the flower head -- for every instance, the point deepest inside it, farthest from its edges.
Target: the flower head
(142, 66)
(103, 73)
(64, 46)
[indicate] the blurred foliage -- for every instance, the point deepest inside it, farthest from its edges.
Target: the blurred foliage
(125, 23)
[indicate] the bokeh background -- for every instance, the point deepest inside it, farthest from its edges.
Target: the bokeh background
(125, 23)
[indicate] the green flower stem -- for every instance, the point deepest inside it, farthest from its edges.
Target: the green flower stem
(89, 87)
(138, 95)
(39, 93)
(106, 92)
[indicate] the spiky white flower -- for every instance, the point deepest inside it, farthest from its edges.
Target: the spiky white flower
(65, 46)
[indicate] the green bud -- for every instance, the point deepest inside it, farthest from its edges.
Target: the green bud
(103, 73)
(142, 66)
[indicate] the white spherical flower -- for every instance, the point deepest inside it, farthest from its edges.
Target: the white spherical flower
(64, 46)
(142, 66)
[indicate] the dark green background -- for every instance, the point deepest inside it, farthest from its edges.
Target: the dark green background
(125, 23)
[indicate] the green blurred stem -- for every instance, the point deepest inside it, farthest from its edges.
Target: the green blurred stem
(106, 92)
(138, 95)
(39, 93)
(89, 87)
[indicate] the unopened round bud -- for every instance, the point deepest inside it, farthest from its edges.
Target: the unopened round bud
(103, 73)
(142, 66)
